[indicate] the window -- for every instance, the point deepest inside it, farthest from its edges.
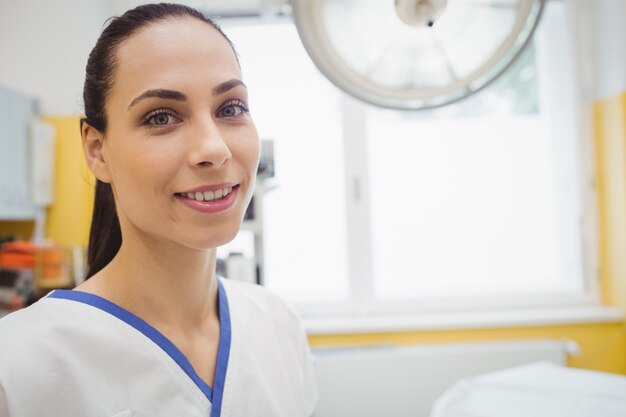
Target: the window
(480, 203)
(304, 216)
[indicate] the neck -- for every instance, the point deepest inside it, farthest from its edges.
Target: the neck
(163, 283)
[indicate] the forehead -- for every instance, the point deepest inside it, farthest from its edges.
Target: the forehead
(173, 53)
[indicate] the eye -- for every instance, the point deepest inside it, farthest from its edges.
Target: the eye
(233, 108)
(160, 118)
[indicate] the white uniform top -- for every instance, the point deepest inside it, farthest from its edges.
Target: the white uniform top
(75, 354)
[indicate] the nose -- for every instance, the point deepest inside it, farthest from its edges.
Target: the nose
(208, 145)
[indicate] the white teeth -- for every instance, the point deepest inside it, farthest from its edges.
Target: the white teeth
(209, 195)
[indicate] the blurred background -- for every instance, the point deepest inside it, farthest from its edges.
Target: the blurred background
(420, 246)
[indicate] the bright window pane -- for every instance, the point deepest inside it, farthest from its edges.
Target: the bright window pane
(480, 198)
(464, 210)
(293, 104)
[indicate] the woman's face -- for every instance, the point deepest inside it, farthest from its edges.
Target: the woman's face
(179, 136)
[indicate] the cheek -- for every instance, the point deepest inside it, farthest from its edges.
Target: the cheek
(252, 155)
(126, 168)
(137, 170)
(248, 152)
(139, 187)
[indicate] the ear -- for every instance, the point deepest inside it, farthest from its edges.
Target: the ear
(93, 146)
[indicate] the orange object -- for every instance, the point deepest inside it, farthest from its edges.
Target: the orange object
(51, 263)
(18, 255)
(46, 259)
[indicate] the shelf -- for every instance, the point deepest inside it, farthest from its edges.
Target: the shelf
(21, 215)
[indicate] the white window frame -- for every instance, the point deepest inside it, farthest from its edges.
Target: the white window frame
(574, 104)
(571, 106)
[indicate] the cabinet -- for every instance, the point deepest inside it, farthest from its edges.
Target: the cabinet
(16, 113)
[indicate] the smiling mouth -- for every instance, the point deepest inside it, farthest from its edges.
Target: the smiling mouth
(208, 196)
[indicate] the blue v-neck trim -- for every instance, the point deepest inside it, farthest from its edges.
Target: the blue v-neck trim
(214, 395)
(223, 353)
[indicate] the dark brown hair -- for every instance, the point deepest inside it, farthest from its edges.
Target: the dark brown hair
(105, 236)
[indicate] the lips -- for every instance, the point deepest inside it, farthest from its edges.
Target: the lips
(211, 200)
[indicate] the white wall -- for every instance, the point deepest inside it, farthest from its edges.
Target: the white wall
(44, 44)
(44, 47)
(602, 30)
(406, 380)
(610, 26)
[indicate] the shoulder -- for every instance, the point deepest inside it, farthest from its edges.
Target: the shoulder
(28, 339)
(20, 328)
(265, 310)
(49, 329)
(272, 333)
(259, 298)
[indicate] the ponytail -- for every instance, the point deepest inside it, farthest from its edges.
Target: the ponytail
(105, 236)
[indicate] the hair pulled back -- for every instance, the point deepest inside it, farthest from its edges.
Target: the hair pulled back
(105, 236)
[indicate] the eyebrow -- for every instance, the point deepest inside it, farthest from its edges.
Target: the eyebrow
(178, 96)
(227, 85)
(160, 93)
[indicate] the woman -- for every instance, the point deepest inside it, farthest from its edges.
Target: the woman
(153, 332)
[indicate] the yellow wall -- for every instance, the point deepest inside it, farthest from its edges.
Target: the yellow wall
(610, 132)
(602, 346)
(68, 219)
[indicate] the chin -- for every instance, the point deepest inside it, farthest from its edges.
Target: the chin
(213, 240)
